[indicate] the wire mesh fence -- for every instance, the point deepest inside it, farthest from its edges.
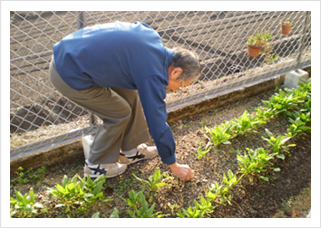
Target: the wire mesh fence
(40, 117)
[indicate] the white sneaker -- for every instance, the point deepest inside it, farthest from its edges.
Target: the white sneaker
(143, 153)
(108, 169)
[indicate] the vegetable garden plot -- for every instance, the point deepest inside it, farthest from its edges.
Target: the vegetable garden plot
(221, 188)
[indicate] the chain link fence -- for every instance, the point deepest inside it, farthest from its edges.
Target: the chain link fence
(40, 117)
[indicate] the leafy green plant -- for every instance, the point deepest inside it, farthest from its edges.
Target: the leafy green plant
(297, 127)
(200, 210)
(154, 181)
(278, 143)
(263, 114)
(255, 162)
(79, 192)
(220, 134)
(259, 39)
(28, 176)
(115, 214)
(246, 123)
(201, 153)
(138, 203)
(287, 22)
(24, 205)
(269, 57)
(223, 190)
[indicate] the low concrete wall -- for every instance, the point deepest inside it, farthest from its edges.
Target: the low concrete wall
(74, 149)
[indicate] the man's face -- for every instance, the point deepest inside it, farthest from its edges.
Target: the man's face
(176, 84)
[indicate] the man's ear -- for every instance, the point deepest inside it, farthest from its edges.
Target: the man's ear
(176, 72)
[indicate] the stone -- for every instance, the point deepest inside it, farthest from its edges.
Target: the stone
(293, 78)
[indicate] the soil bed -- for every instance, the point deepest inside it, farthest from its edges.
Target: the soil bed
(287, 194)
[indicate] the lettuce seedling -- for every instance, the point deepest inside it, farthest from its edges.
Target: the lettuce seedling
(255, 162)
(24, 205)
(278, 143)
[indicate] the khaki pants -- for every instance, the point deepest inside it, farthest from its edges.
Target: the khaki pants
(124, 125)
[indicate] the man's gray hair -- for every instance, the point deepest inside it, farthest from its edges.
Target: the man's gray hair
(188, 61)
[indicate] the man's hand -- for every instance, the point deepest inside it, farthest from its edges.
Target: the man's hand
(184, 172)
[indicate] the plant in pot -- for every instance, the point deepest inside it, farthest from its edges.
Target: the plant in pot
(256, 42)
(286, 27)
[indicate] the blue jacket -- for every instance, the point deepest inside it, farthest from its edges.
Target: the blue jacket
(124, 55)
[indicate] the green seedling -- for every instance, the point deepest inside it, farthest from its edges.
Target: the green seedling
(278, 143)
(24, 205)
(263, 114)
(246, 123)
(223, 190)
(140, 206)
(220, 134)
(201, 153)
(79, 192)
(24, 177)
(115, 214)
(297, 127)
(155, 181)
(200, 210)
(255, 162)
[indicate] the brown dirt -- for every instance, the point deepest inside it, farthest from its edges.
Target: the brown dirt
(287, 194)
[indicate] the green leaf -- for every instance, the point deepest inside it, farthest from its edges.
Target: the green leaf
(264, 178)
(115, 214)
(281, 156)
(160, 184)
(96, 215)
(65, 180)
(276, 169)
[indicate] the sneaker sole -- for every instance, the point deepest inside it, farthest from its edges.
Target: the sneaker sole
(108, 176)
(135, 161)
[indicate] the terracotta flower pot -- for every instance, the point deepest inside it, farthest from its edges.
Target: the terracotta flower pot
(253, 51)
(285, 29)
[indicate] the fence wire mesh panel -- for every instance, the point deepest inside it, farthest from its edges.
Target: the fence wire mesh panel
(40, 117)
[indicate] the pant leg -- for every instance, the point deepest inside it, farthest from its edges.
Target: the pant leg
(113, 109)
(137, 130)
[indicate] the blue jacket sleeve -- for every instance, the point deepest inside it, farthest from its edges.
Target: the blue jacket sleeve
(152, 92)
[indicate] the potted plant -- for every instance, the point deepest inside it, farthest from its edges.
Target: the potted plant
(256, 42)
(286, 27)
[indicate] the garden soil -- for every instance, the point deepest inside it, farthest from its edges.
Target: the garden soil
(287, 194)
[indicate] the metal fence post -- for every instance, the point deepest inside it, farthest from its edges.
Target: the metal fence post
(81, 23)
(303, 37)
(81, 20)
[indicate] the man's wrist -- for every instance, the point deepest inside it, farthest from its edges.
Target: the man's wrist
(173, 166)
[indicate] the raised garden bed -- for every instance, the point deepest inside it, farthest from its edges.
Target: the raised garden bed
(263, 199)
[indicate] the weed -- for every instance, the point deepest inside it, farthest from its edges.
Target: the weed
(27, 176)
(154, 181)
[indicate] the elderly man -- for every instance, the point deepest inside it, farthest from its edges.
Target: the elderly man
(119, 71)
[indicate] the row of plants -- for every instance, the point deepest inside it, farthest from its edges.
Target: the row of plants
(294, 104)
(259, 40)
(78, 194)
